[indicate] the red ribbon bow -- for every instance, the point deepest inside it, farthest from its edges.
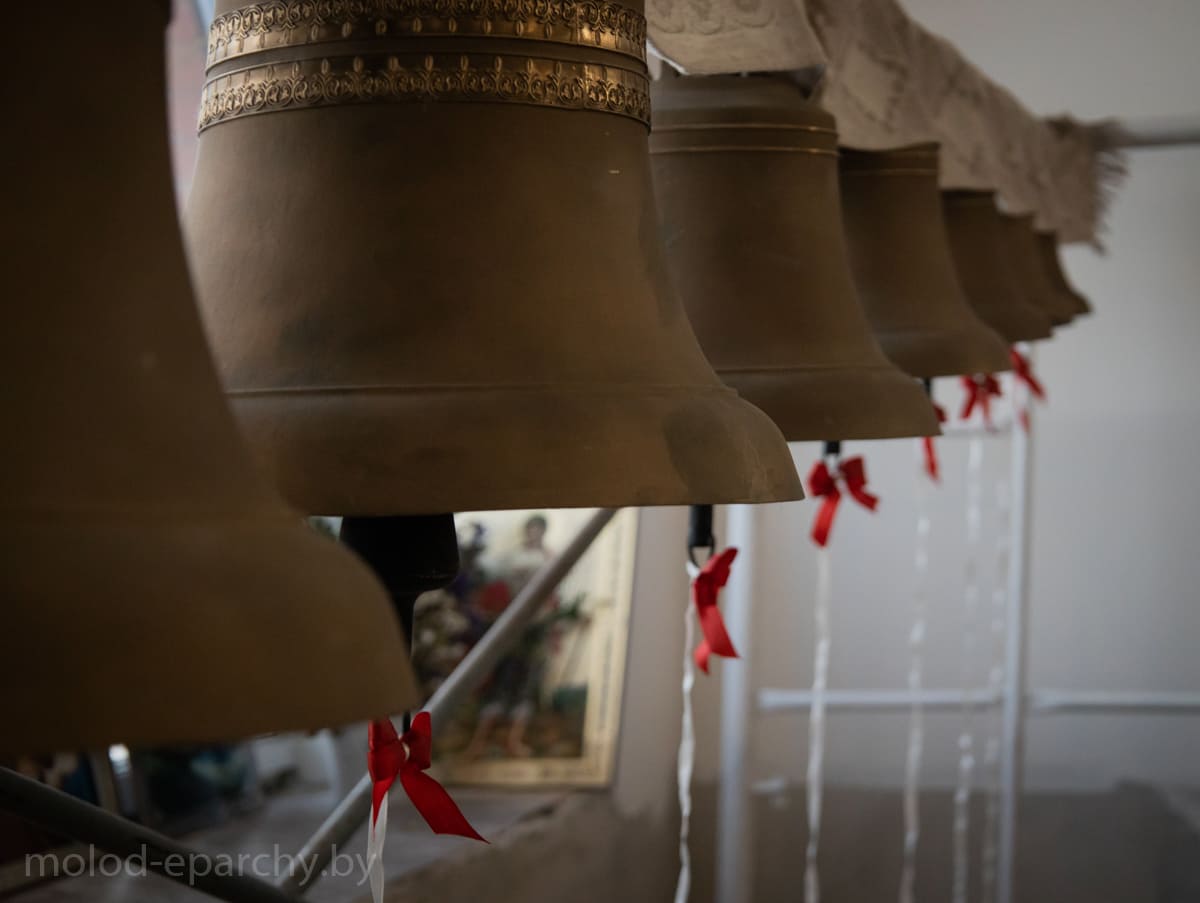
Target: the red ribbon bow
(705, 589)
(1023, 371)
(981, 390)
(823, 483)
(390, 756)
(931, 458)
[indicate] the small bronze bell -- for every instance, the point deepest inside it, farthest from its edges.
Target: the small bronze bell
(154, 589)
(1029, 268)
(1048, 246)
(745, 171)
(979, 248)
(902, 266)
(427, 253)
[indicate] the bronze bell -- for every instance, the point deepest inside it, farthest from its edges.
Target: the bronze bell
(902, 266)
(1048, 247)
(154, 589)
(428, 257)
(1028, 266)
(979, 248)
(745, 171)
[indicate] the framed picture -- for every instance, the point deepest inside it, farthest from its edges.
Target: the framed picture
(87, 776)
(549, 712)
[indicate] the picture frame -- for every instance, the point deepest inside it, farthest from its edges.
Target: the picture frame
(549, 714)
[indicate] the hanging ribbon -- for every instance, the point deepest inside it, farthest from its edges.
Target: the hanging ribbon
(980, 391)
(823, 484)
(390, 756)
(705, 588)
(1023, 371)
(931, 458)
(686, 759)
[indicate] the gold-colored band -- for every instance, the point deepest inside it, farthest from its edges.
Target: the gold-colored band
(416, 78)
(293, 23)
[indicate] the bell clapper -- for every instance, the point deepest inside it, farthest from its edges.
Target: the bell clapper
(700, 532)
(410, 555)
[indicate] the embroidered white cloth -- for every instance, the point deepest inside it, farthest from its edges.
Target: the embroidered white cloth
(891, 82)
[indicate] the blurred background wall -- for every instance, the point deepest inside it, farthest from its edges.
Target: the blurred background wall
(1115, 575)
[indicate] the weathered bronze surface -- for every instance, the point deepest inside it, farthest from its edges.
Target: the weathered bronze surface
(1048, 247)
(981, 259)
(1029, 268)
(433, 277)
(153, 589)
(745, 171)
(902, 266)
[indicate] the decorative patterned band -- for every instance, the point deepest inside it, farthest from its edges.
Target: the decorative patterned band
(417, 78)
(293, 23)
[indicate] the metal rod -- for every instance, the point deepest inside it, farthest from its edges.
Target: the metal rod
(1057, 702)
(735, 858)
(63, 814)
(352, 812)
(1002, 426)
(772, 701)
(1176, 131)
(1016, 640)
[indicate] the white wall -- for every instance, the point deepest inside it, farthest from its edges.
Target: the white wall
(1115, 580)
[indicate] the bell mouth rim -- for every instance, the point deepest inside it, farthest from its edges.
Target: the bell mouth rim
(957, 353)
(885, 367)
(641, 389)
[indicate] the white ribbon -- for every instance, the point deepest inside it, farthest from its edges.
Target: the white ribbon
(991, 749)
(916, 716)
(966, 738)
(375, 851)
(816, 723)
(687, 745)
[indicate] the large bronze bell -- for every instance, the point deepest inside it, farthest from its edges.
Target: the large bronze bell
(980, 251)
(745, 171)
(1029, 268)
(154, 589)
(902, 266)
(1048, 247)
(428, 257)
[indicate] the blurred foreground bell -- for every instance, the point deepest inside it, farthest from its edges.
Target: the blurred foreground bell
(745, 170)
(1048, 247)
(1029, 268)
(902, 266)
(428, 257)
(153, 589)
(979, 247)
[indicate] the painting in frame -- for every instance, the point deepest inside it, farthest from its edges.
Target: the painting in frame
(549, 713)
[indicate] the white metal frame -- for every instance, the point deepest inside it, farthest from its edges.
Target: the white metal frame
(734, 866)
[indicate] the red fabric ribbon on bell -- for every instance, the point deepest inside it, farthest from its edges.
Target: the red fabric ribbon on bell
(705, 588)
(980, 389)
(823, 483)
(931, 459)
(1023, 372)
(390, 756)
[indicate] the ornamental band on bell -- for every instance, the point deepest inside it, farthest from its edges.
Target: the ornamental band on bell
(297, 54)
